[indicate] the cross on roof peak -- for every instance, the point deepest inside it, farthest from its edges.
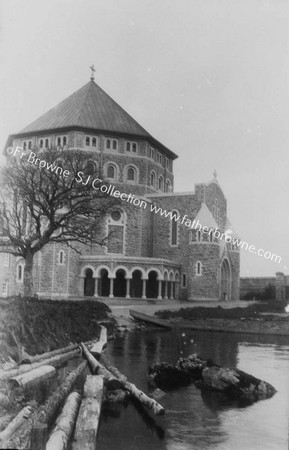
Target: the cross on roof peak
(92, 72)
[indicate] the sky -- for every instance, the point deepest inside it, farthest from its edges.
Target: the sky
(207, 78)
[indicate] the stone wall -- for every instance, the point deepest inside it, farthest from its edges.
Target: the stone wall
(251, 287)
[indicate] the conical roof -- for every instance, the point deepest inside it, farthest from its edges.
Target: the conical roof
(89, 107)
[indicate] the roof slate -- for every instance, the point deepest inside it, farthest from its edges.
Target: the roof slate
(89, 107)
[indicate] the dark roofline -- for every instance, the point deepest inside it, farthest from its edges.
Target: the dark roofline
(149, 138)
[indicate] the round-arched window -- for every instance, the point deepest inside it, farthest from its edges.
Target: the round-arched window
(116, 215)
(131, 174)
(90, 168)
(153, 179)
(110, 172)
(168, 186)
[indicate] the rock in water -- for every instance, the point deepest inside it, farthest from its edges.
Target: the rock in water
(207, 375)
(157, 394)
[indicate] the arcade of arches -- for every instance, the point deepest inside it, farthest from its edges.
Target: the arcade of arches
(135, 285)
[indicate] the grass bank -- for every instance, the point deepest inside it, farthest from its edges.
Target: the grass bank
(36, 326)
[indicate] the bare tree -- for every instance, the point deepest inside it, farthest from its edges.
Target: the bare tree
(49, 197)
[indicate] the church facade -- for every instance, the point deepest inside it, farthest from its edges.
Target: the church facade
(161, 244)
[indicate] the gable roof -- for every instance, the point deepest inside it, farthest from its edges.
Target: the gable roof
(90, 108)
(206, 218)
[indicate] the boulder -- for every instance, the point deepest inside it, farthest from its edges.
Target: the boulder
(207, 375)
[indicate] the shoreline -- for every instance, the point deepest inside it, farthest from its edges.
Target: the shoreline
(270, 324)
(237, 326)
(210, 325)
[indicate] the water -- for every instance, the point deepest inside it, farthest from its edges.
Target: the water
(194, 420)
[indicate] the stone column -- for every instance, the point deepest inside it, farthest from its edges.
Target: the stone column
(166, 290)
(172, 290)
(95, 287)
(111, 288)
(177, 289)
(127, 288)
(144, 286)
(160, 290)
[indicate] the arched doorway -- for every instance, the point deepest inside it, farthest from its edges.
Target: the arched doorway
(119, 284)
(225, 294)
(152, 285)
(89, 283)
(104, 283)
(136, 284)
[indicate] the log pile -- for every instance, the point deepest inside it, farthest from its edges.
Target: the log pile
(89, 414)
(32, 425)
(44, 414)
(207, 375)
(64, 425)
(112, 375)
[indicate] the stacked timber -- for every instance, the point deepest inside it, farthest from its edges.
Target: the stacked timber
(207, 375)
(16, 423)
(55, 361)
(111, 374)
(33, 376)
(30, 426)
(63, 429)
(89, 414)
(97, 347)
(44, 414)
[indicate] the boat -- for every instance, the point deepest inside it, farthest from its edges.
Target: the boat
(153, 320)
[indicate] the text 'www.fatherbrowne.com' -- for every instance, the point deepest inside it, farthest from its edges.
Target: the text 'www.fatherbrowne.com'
(226, 236)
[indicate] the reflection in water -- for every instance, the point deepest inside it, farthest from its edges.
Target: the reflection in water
(196, 419)
(218, 401)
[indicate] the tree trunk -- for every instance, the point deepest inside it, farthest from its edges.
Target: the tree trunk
(33, 376)
(116, 375)
(16, 423)
(89, 413)
(28, 275)
(97, 348)
(65, 422)
(46, 411)
(55, 361)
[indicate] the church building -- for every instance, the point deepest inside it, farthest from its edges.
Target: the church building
(152, 251)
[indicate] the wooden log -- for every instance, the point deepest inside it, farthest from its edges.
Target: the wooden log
(65, 422)
(90, 358)
(106, 363)
(97, 368)
(89, 413)
(4, 400)
(46, 411)
(55, 361)
(133, 390)
(16, 423)
(59, 351)
(98, 346)
(33, 376)
(38, 436)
